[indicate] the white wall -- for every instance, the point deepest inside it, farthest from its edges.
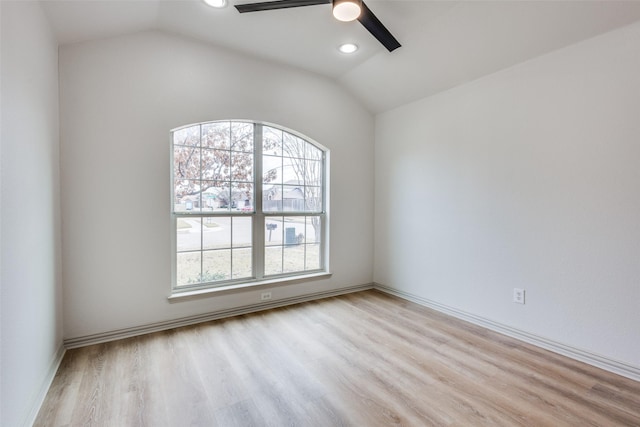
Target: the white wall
(527, 178)
(31, 284)
(119, 99)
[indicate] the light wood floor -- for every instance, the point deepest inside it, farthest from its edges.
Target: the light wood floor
(365, 359)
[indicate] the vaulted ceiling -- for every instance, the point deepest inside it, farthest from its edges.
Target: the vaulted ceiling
(444, 43)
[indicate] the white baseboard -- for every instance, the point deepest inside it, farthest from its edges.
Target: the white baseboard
(192, 320)
(38, 398)
(611, 365)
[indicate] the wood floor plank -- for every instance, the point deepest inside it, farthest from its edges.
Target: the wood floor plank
(364, 359)
(63, 393)
(221, 384)
(240, 414)
(445, 372)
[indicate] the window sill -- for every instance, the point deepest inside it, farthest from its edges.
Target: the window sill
(177, 295)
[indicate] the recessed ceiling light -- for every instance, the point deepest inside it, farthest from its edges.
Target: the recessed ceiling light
(348, 48)
(216, 3)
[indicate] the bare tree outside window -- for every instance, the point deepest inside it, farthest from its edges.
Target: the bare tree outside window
(305, 161)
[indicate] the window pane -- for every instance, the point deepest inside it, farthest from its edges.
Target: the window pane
(187, 268)
(188, 234)
(272, 260)
(243, 197)
(313, 229)
(216, 232)
(187, 136)
(242, 167)
(312, 259)
(215, 195)
(211, 192)
(292, 198)
(216, 265)
(242, 232)
(186, 195)
(293, 258)
(313, 199)
(216, 135)
(293, 250)
(272, 198)
(313, 226)
(292, 146)
(292, 171)
(313, 173)
(273, 231)
(271, 169)
(272, 141)
(313, 152)
(242, 263)
(294, 230)
(186, 162)
(242, 137)
(216, 165)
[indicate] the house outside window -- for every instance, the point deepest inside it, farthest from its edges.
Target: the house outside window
(248, 205)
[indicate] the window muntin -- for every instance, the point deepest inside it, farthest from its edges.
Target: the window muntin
(222, 234)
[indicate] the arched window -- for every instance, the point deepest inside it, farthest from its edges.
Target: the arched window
(248, 205)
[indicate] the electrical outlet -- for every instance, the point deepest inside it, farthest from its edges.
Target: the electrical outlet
(265, 296)
(518, 295)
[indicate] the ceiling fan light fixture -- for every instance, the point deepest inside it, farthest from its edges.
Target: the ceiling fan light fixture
(344, 10)
(216, 3)
(347, 10)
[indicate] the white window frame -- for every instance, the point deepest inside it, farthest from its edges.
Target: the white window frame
(258, 222)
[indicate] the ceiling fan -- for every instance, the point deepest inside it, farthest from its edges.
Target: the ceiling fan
(343, 10)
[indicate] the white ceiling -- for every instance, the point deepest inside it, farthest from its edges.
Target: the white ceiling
(445, 43)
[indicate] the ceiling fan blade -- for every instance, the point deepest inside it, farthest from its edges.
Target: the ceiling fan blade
(279, 4)
(379, 31)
